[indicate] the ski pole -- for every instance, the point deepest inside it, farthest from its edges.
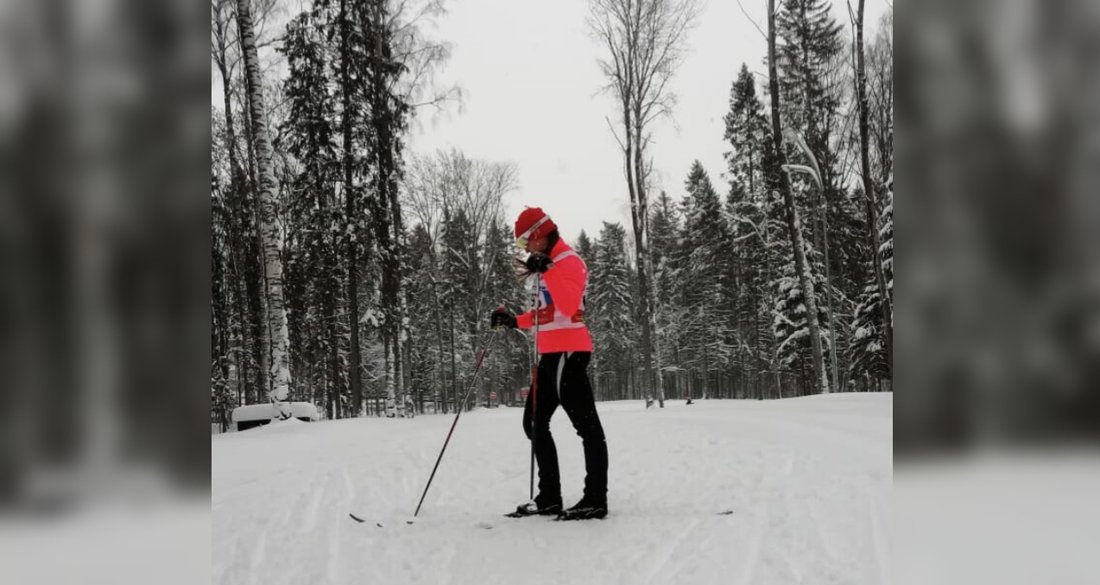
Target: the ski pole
(473, 380)
(534, 385)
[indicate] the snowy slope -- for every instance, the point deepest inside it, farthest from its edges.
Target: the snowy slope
(808, 481)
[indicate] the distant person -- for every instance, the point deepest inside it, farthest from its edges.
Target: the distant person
(564, 348)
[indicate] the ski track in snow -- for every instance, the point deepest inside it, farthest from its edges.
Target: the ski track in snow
(808, 481)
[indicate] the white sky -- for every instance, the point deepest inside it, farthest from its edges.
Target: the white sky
(533, 97)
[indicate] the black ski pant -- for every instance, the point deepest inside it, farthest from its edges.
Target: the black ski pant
(563, 379)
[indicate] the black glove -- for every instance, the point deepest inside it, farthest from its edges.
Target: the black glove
(502, 316)
(537, 262)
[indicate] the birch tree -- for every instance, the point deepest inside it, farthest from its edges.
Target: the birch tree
(243, 250)
(279, 378)
(644, 42)
(801, 264)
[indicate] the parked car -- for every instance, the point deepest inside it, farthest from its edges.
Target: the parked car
(254, 415)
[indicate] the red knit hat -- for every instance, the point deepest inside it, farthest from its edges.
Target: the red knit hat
(535, 221)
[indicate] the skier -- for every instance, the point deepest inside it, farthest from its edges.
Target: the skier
(565, 348)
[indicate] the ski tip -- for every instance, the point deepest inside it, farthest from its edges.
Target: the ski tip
(363, 521)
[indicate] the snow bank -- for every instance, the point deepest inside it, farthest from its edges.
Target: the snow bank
(267, 411)
(787, 491)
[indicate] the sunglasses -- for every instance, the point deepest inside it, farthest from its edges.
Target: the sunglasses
(523, 238)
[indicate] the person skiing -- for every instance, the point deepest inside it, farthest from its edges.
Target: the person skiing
(565, 349)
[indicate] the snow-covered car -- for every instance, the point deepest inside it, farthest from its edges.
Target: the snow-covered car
(254, 415)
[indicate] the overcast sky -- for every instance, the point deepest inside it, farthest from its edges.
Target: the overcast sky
(533, 97)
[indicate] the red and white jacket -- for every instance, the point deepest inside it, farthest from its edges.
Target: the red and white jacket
(560, 307)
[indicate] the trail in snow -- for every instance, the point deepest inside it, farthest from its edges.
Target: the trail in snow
(807, 482)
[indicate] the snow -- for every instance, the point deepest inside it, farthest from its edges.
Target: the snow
(268, 411)
(808, 482)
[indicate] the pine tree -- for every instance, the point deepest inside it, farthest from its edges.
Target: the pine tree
(706, 264)
(750, 162)
(751, 285)
(664, 233)
(220, 396)
(610, 309)
(886, 236)
(459, 271)
(748, 134)
(791, 324)
(868, 352)
(811, 42)
(387, 122)
(794, 222)
(425, 373)
(314, 254)
(584, 245)
(811, 75)
(346, 20)
(502, 287)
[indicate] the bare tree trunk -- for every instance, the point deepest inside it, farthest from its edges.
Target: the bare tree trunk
(389, 222)
(650, 345)
(829, 289)
(389, 348)
(257, 290)
(869, 197)
(273, 268)
(454, 367)
(401, 353)
(440, 368)
(794, 224)
(334, 366)
(637, 220)
(352, 220)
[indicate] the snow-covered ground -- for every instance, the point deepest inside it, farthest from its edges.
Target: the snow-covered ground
(808, 481)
